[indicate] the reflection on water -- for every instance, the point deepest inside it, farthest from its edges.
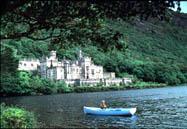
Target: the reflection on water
(158, 108)
(110, 121)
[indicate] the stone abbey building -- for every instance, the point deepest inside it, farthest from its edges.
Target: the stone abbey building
(77, 72)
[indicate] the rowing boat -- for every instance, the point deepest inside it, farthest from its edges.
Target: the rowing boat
(109, 111)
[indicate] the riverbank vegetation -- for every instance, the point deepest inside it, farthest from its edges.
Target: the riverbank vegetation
(14, 117)
(25, 83)
(150, 50)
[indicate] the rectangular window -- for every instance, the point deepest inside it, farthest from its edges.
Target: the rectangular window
(92, 71)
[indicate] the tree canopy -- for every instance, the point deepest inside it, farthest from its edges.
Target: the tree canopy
(40, 16)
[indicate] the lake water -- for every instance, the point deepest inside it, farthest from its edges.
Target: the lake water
(156, 108)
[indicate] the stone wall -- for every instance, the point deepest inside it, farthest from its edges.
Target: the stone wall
(106, 82)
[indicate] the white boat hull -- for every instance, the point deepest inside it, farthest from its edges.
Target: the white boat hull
(109, 111)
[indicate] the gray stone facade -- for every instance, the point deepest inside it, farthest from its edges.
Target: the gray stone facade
(77, 72)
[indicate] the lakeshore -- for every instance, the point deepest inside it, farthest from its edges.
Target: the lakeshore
(88, 88)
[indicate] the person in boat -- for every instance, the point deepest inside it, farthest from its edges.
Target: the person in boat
(103, 104)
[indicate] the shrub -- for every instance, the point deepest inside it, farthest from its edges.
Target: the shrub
(36, 84)
(24, 82)
(48, 86)
(13, 117)
(62, 87)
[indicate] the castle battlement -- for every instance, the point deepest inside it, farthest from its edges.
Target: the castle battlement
(30, 59)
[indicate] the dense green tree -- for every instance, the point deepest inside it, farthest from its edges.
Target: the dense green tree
(9, 84)
(149, 72)
(139, 72)
(9, 59)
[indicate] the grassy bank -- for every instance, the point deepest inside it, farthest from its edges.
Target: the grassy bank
(14, 117)
(141, 85)
(136, 85)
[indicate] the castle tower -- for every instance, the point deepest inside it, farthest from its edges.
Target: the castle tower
(80, 54)
(53, 55)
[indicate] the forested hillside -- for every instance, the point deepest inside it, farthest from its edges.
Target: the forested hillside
(151, 50)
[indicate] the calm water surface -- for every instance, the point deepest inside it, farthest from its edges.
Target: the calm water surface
(156, 108)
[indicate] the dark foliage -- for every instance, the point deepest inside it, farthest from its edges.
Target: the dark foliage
(38, 15)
